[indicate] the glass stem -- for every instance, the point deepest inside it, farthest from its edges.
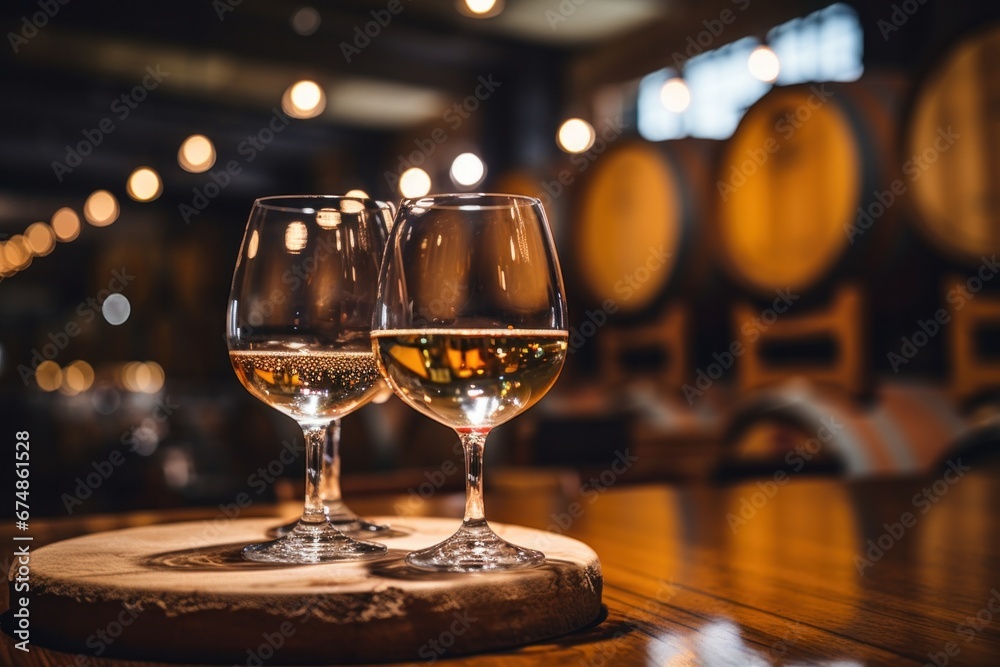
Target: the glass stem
(315, 511)
(330, 477)
(473, 443)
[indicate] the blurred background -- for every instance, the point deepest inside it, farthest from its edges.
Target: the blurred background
(777, 222)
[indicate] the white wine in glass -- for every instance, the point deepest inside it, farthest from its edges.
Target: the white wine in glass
(470, 330)
(298, 333)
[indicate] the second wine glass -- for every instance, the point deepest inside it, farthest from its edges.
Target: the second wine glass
(470, 329)
(298, 330)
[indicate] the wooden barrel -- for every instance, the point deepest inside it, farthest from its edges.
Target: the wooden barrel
(905, 429)
(637, 223)
(799, 183)
(951, 133)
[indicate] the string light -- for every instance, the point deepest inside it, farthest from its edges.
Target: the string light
(144, 184)
(575, 135)
(303, 99)
(468, 170)
(101, 208)
(196, 154)
(66, 224)
(414, 182)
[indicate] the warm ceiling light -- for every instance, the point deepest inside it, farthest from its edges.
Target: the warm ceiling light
(16, 252)
(41, 239)
(101, 208)
(304, 99)
(78, 376)
(296, 236)
(144, 184)
(306, 21)
(414, 182)
(483, 8)
(468, 170)
(360, 194)
(66, 224)
(48, 375)
(575, 135)
(763, 63)
(147, 377)
(197, 154)
(675, 95)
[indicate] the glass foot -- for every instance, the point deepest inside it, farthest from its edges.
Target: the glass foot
(356, 526)
(313, 543)
(474, 548)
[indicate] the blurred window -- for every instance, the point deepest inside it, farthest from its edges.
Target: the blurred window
(826, 45)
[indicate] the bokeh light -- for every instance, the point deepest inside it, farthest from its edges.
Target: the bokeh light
(575, 135)
(41, 239)
(468, 170)
(116, 309)
(66, 224)
(296, 236)
(101, 208)
(144, 184)
(763, 63)
(675, 95)
(306, 21)
(48, 375)
(414, 182)
(196, 154)
(303, 99)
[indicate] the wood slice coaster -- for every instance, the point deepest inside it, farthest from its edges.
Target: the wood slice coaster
(183, 593)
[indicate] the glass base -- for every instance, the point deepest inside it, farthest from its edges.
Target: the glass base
(309, 543)
(346, 524)
(474, 548)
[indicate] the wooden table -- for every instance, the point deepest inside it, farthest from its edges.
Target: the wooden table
(754, 573)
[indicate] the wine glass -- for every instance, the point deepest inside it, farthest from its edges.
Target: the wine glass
(298, 326)
(470, 330)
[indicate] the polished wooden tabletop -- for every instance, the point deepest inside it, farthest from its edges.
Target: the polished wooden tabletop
(790, 571)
